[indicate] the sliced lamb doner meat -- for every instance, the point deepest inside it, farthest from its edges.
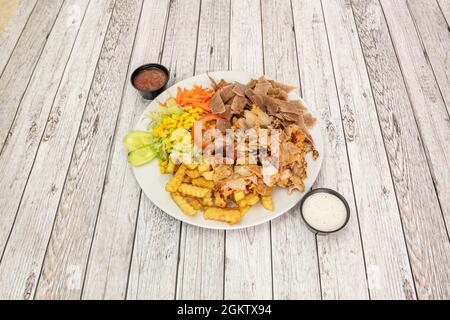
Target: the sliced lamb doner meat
(282, 96)
(310, 121)
(289, 107)
(227, 92)
(291, 117)
(255, 99)
(271, 105)
(283, 86)
(238, 104)
(223, 124)
(227, 114)
(239, 89)
(213, 82)
(251, 84)
(302, 126)
(262, 88)
(299, 104)
(216, 104)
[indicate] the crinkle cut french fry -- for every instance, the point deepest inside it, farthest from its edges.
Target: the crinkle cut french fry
(193, 174)
(175, 182)
(202, 182)
(195, 203)
(238, 195)
(183, 204)
(170, 167)
(219, 201)
(208, 175)
(267, 202)
(192, 166)
(193, 191)
(232, 216)
(244, 210)
(208, 202)
(249, 200)
(204, 167)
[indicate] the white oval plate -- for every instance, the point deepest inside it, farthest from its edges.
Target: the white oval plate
(153, 182)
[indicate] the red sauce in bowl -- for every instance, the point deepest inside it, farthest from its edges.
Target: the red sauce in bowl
(150, 79)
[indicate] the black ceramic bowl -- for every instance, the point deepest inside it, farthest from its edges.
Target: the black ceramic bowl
(151, 94)
(329, 191)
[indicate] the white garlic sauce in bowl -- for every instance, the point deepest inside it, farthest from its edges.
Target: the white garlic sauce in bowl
(325, 212)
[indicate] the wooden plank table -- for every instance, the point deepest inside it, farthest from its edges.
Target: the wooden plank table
(74, 222)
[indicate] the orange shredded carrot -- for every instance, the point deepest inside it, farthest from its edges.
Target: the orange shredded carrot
(197, 97)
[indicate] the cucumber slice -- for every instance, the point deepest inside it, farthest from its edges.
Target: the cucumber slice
(137, 140)
(141, 156)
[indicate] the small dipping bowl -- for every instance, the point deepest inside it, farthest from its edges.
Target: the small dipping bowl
(324, 211)
(150, 80)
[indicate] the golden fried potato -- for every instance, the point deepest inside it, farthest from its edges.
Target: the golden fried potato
(219, 201)
(170, 168)
(193, 174)
(207, 202)
(244, 210)
(183, 204)
(208, 175)
(175, 182)
(202, 182)
(195, 203)
(238, 196)
(267, 202)
(232, 216)
(192, 166)
(204, 168)
(193, 191)
(249, 200)
(187, 180)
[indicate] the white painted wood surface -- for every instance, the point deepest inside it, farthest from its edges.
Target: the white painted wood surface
(33, 112)
(425, 96)
(69, 246)
(341, 260)
(109, 263)
(75, 223)
(425, 234)
(17, 73)
(389, 273)
(23, 256)
(12, 29)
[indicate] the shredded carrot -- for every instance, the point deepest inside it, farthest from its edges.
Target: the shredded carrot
(197, 97)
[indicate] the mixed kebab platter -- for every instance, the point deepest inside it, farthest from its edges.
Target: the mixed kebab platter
(225, 150)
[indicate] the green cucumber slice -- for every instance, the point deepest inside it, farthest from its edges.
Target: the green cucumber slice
(141, 156)
(137, 139)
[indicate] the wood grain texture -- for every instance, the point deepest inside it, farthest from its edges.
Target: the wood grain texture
(24, 254)
(426, 236)
(109, 262)
(248, 270)
(294, 252)
(12, 22)
(445, 8)
(434, 35)
(16, 76)
(341, 259)
(201, 266)
(388, 269)
(155, 256)
(70, 242)
(425, 95)
(19, 152)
